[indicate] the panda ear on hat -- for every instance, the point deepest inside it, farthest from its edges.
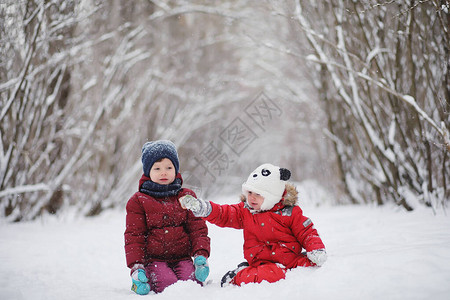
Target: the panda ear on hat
(285, 174)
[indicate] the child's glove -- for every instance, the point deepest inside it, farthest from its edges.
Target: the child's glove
(318, 256)
(140, 285)
(199, 207)
(201, 268)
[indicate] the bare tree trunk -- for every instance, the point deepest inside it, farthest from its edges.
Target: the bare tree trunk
(389, 139)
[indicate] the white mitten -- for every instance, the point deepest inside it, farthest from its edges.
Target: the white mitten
(199, 207)
(318, 256)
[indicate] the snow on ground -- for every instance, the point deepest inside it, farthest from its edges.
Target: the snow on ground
(374, 253)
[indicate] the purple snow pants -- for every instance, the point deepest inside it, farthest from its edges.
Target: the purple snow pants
(162, 274)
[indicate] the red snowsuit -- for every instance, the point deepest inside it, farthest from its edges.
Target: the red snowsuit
(160, 229)
(271, 238)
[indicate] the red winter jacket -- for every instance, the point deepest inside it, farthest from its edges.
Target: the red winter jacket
(160, 229)
(276, 236)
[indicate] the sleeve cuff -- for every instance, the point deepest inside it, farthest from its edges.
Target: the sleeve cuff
(201, 252)
(137, 267)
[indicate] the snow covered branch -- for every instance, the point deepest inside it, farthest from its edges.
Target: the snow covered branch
(377, 89)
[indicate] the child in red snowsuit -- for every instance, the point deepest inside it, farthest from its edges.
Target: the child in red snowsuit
(275, 229)
(161, 237)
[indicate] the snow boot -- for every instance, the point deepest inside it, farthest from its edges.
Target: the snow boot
(228, 277)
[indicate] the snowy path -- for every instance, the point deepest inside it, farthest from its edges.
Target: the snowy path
(374, 253)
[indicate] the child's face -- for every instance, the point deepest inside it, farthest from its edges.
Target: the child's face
(255, 200)
(163, 172)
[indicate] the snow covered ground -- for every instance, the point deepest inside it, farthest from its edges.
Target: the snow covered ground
(374, 253)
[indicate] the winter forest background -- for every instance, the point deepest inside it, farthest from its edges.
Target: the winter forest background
(353, 96)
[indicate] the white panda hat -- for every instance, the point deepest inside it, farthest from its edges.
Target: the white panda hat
(269, 181)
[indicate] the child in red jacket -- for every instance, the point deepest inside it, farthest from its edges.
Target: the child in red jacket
(161, 237)
(275, 229)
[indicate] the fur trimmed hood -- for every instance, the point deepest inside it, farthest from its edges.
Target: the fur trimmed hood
(290, 196)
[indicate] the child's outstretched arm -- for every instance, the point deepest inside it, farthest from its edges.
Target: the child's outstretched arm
(199, 207)
(221, 215)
